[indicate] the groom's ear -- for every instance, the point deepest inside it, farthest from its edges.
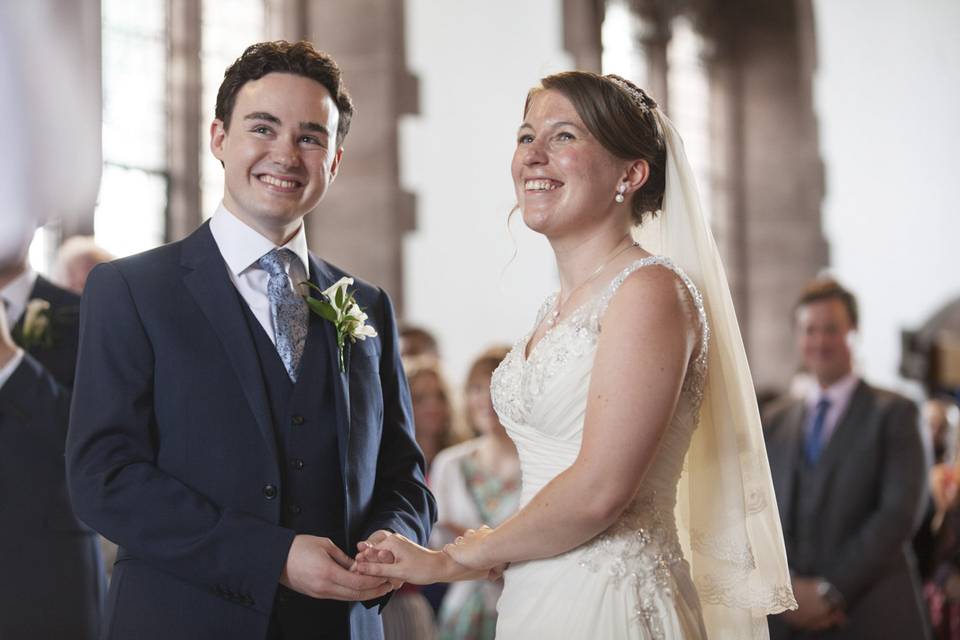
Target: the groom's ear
(218, 133)
(335, 165)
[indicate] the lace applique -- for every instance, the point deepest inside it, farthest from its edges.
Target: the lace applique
(520, 381)
(643, 549)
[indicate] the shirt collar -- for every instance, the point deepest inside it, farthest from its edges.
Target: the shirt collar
(838, 394)
(241, 246)
(17, 293)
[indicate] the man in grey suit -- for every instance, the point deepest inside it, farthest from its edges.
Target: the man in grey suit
(849, 473)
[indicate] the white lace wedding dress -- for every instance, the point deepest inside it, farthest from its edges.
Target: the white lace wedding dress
(631, 581)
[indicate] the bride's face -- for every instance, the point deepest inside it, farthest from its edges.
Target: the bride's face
(564, 178)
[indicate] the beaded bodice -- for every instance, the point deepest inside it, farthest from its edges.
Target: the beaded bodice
(541, 400)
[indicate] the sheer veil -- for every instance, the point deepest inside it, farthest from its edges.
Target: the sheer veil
(726, 509)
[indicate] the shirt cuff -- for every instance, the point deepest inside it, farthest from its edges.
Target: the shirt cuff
(10, 367)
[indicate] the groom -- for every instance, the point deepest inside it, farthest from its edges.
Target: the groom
(214, 434)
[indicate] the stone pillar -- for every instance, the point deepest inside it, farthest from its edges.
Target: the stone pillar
(655, 33)
(769, 174)
(285, 19)
(582, 21)
(184, 91)
(360, 223)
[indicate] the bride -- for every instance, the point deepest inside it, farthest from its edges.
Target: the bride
(647, 509)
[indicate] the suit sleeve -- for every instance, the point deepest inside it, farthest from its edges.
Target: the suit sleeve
(402, 503)
(114, 480)
(32, 396)
(902, 487)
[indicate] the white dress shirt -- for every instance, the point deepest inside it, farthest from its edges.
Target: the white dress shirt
(15, 297)
(838, 394)
(241, 247)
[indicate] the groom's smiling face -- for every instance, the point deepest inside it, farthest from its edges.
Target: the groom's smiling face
(279, 152)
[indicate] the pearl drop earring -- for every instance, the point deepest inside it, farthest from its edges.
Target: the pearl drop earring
(620, 191)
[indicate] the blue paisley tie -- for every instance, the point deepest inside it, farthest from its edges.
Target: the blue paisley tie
(288, 310)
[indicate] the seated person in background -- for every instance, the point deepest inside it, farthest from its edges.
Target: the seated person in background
(432, 406)
(475, 483)
(417, 341)
(938, 541)
(77, 256)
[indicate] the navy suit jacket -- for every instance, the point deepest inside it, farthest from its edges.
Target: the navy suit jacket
(171, 446)
(51, 575)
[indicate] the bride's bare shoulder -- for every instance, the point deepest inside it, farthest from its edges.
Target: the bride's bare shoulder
(652, 298)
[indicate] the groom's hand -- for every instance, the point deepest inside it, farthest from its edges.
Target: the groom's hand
(316, 567)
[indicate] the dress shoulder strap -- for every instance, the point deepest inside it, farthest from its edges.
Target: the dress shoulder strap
(696, 298)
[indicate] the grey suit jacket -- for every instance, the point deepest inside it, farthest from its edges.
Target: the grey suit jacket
(868, 491)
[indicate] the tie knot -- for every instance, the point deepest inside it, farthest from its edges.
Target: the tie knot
(823, 404)
(275, 262)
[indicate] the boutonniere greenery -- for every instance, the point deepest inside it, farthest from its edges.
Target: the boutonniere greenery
(37, 328)
(338, 306)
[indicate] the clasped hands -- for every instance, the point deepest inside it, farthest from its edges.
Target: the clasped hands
(813, 613)
(316, 567)
(395, 557)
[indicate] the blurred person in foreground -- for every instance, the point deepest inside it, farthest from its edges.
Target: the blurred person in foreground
(848, 468)
(77, 256)
(475, 483)
(51, 581)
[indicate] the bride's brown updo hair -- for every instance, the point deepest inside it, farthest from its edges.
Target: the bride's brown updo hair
(619, 115)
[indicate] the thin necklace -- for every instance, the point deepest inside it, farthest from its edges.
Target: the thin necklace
(552, 318)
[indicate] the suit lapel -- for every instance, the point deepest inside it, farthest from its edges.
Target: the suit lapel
(209, 283)
(841, 442)
(322, 277)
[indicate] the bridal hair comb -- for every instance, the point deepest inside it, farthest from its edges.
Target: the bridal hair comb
(644, 102)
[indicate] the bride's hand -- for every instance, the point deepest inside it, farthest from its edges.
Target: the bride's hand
(470, 551)
(393, 556)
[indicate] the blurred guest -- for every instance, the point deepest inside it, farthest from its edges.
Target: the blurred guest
(475, 483)
(410, 615)
(938, 541)
(432, 406)
(51, 585)
(416, 341)
(848, 468)
(76, 257)
(45, 318)
(941, 418)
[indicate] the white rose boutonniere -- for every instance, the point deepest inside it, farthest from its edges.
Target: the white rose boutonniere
(340, 308)
(37, 330)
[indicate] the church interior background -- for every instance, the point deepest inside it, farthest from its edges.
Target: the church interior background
(823, 134)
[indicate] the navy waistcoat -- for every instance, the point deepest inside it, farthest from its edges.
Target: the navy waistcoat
(312, 490)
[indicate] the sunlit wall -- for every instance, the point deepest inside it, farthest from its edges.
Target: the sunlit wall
(888, 97)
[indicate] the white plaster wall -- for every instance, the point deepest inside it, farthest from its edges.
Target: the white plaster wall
(475, 61)
(888, 100)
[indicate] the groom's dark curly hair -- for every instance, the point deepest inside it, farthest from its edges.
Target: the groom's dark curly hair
(280, 56)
